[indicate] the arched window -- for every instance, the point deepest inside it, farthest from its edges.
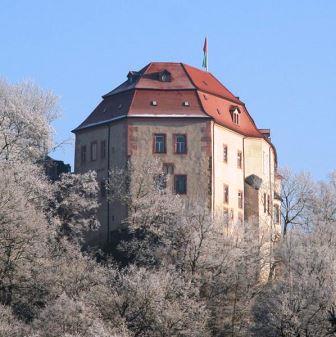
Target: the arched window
(164, 76)
(235, 115)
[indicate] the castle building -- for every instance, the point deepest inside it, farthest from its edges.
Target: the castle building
(202, 133)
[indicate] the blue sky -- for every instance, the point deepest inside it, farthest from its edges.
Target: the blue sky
(278, 56)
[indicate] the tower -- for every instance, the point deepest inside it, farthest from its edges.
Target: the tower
(200, 131)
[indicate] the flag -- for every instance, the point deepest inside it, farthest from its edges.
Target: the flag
(205, 57)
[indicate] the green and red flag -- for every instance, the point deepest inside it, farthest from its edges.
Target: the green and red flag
(205, 57)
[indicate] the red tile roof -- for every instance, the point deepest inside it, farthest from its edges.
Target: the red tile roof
(219, 109)
(109, 108)
(169, 103)
(205, 81)
(206, 96)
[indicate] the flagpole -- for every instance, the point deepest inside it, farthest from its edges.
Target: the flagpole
(207, 63)
(205, 54)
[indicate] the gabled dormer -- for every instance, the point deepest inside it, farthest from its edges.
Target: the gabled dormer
(235, 113)
(133, 76)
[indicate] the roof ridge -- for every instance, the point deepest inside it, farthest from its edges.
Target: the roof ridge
(196, 89)
(216, 79)
(189, 77)
(207, 73)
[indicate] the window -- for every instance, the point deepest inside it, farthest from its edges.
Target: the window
(240, 199)
(93, 151)
(276, 214)
(226, 194)
(235, 118)
(264, 202)
(168, 168)
(225, 153)
(268, 204)
(159, 143)
(231, 214)
(180, 184)
(103, 189)
(164, 76)
(102, 149)
(239, 159)
(225, 216)
(235, 115)
(160, 181)
(83, 154)
(180, 143)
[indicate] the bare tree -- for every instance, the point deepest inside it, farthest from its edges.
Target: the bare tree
(221, 259)
(300, 300)
(297, 191)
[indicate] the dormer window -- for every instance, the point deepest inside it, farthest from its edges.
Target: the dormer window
(185, 103)
(154, 103)
(234, 111)
(164, 76)
(132, 76)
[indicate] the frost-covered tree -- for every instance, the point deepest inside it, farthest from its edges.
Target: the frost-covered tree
(23, 235)
(151, 303)
(300, 301)
(38, 257)
(74, 205)
(10, 326)
(297, 192)
(222, 260)
(26, 112)
(70, 317)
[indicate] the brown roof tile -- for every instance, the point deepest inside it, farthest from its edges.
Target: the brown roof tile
(109, 108)
(206, 96)
(168, 103)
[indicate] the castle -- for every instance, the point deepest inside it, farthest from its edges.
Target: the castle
(202, 133)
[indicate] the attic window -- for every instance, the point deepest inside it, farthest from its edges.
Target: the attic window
(205, 83)
(185, 103)
(205, 97)
(105, 109)
(120, 106)
(235, 115)
(154, 103)
(164, 76)
(218, 111)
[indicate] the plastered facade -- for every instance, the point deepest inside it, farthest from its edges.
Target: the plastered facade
(204, 165)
